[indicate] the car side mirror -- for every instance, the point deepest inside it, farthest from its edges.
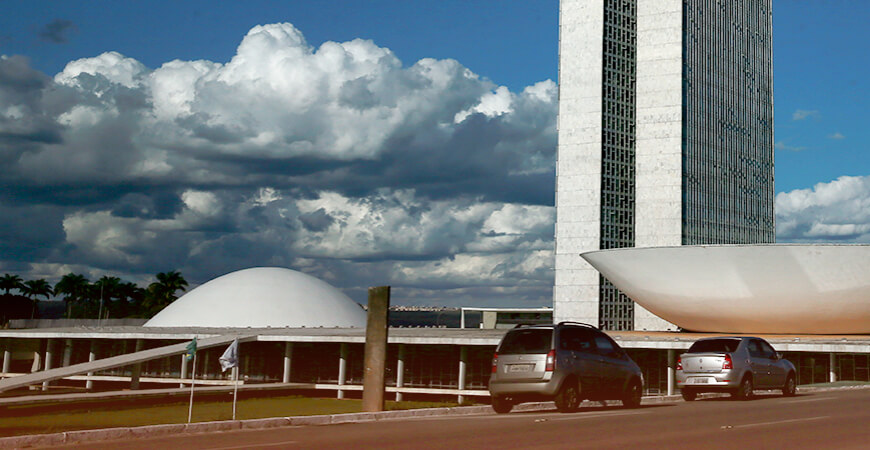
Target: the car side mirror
(777, 355)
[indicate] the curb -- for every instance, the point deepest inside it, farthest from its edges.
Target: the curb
(148, 431)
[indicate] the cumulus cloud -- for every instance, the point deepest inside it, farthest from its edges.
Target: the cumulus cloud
(837, 211)
(836, 136)
(338, 160)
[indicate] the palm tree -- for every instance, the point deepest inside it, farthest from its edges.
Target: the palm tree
(9, 282)
(35, 288)
(162, 292)
(74, 287)
(108, 287)
(129, 300)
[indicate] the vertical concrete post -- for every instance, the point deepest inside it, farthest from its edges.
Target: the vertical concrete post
(67, 352)
(137, 368)
(672, 372)
(92, 356)
(49, 353)
(833, 367)
(7, 355)
(342, 367)
(288, 359)
(463, 360)
(376, 349)
(400, 371)
(183, 374)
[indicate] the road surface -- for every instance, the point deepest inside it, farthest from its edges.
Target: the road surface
(829, 419)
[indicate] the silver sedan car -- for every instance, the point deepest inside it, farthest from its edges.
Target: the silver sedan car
(737, 365)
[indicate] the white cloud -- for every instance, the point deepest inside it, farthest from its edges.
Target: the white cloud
(802, 114)
(838, 211)
(836, 136)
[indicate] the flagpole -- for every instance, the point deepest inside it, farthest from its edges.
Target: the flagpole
(235, 389)
(192, 382)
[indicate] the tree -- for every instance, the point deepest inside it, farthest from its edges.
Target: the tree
(74, 288)
(9, 282)
(162, 292)
(108, 288)
(35, 288)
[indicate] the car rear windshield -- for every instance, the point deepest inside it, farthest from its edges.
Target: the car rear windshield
(535, 340)
(715, 346)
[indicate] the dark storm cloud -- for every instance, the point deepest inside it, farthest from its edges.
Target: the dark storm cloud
(57, 31)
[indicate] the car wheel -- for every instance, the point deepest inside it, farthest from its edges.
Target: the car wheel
(632, 395)
(501, 405)
(568, 398)
(689, 395)
(744, 392)
(790, 387)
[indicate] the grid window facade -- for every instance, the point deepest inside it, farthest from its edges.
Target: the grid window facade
(727, 141)
(618, 123)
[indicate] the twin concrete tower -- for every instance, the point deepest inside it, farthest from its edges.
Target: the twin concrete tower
(665, 138)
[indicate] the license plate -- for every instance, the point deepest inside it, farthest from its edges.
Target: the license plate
(700, 380)
(520, 367)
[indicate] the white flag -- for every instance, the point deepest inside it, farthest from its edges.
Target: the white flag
(230, 358)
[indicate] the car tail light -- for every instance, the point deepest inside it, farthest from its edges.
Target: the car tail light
(551, 361)
(495, 362)
(727, 364)
(679, 364)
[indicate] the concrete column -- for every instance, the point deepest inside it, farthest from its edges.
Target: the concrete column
(672, 372)
(183, 374)
(342, 368)
(49, 353)
(833, 368)
(400, 371)
(376, 349)
(92, 356)
(288, 359)
(7, 355)
(463, 360)
(67, 352)
(137, 368)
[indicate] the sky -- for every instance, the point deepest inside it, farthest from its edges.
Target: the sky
(367, 143)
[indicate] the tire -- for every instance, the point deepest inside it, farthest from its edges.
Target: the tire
(689, 395)
(789, 389)
(568, 398)
(632, 395)
(745, 390)
(501, 405)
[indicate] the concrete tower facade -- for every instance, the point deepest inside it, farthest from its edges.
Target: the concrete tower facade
(665, 138)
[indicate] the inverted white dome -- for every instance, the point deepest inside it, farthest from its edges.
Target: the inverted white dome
(783, 288)
(262, 297)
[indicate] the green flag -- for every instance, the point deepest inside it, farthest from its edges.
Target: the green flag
(191, 349)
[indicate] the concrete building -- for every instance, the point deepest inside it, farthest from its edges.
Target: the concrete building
(665, 138)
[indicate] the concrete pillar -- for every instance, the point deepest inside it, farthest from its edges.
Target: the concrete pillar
(92, 356)
(67, 352)
(463, 360)
(342, 368)
(400, 371)
(833, 367)
(672, 372)
(49, 353)
(288, 359)
(183, 374)
(7, 355)
(376, 349)
(137, 368)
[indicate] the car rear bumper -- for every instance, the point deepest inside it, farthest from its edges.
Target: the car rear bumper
(708, 381)
(545, 388)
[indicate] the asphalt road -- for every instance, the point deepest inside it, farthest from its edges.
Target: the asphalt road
(829, 419)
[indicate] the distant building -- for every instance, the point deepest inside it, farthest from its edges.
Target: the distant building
(665, 138)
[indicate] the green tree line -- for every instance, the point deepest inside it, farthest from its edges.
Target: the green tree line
(107, 297)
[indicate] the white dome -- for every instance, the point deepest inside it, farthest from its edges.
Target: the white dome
(262, 297)
(785, 288)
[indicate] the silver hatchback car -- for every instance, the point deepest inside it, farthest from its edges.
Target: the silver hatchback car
(737, 365)
(566, 362)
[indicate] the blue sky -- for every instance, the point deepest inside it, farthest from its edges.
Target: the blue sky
(422, 157)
